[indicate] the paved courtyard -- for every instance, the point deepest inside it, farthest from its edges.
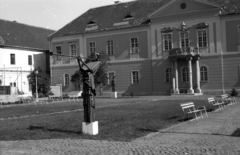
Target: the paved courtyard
(209, 136)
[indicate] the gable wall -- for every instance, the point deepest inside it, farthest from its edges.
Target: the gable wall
(191, 6)
(214, 35)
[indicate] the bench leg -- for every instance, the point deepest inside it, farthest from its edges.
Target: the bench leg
(183, 116)
(206, 112)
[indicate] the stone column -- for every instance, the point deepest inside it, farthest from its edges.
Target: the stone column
(198, 89)
(173, 79)
(176, 77)
(190, 90)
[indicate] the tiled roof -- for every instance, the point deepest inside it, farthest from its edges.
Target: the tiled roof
(112, 17)
(24, 36)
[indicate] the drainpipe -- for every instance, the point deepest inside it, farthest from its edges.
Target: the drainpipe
(222, 65)
(50, 49)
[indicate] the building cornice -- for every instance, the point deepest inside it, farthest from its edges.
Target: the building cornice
(23, 48)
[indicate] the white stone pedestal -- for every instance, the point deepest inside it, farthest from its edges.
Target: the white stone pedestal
(113, 94)
(90, 128)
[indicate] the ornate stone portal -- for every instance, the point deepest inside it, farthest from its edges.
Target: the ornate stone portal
(191, 55)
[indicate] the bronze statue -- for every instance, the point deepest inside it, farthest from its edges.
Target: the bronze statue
(113, 84)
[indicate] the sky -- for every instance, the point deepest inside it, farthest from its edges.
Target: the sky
(50, 14)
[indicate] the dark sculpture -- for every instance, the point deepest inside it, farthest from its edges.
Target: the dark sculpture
(89, 92)
(113, 84)
(88, 71)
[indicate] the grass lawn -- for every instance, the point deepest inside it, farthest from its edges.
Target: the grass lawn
(125, 120)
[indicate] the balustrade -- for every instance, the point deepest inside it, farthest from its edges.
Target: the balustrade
(184, 51)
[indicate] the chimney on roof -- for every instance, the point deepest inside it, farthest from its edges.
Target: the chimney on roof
(116, 2)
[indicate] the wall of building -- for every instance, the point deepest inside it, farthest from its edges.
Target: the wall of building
(122, 44)
(17, 73)
(58, 77)
(232, 35)
(123, 77)
(231, 71)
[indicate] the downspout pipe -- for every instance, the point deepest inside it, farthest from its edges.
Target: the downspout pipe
(222, 66)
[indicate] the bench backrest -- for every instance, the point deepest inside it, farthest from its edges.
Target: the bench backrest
(188, 105)
(211, 100)
(224, 96)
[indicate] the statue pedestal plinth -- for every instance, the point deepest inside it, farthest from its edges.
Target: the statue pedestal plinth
(113, 94)
(90, 128)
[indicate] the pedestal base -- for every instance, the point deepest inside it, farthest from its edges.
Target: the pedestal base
(90, 128)
(190, 91)
(113, 94)
(198, 91)
(175, 91)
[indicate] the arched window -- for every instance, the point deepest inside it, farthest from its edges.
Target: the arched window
(66, 79)
(204, 73)
(185, 75)
(168, 72)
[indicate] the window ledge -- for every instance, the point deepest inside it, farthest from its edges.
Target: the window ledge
(134, 55)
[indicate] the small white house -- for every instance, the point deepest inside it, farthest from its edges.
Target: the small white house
(22, 49)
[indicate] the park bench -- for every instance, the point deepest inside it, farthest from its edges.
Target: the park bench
(42, 100)
(228, 100)
(214, 103)
(74, 95)
(189, 108)
(55, 98)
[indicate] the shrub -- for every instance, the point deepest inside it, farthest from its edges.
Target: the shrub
(234, 92)
(132, 94)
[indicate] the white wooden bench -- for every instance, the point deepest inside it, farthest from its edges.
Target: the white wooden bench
(228, 100)
(214, 103)
(74, 95)
(55, 98)
(189, 108)
(42, 100)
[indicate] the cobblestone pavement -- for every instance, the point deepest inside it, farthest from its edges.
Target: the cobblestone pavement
(209, 136)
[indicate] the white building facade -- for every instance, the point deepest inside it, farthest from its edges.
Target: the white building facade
(21, 51)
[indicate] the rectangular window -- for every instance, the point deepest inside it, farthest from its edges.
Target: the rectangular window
(167, 41)
(66, 79)
(203, 74)
(184, 39)
(92, 47)
(110, 47)
(58, 49)
(73, 49)
(134, 45)
(202, 38)
(185, 74)
(29, 60)
(110, 76)
(135, 77)
(12, 59)
(168, 75)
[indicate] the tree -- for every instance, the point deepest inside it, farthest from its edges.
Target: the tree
(100, 77)
(43, 82)
(76, 79)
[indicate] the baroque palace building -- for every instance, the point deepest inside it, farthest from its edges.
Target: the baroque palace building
(155, 47)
